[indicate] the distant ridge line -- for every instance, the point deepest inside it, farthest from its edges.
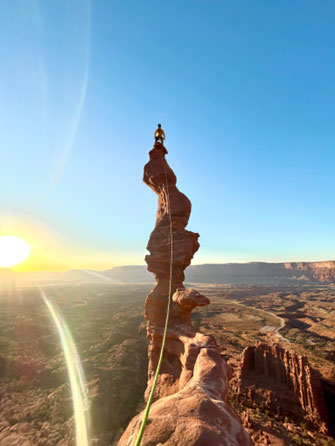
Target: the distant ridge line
(322, 272)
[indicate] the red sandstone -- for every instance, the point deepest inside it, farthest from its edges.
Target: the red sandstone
(283, 382)
(191, 406)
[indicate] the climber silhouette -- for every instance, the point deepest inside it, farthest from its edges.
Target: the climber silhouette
(159, 134)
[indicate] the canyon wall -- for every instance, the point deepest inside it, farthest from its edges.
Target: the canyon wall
(273, 378)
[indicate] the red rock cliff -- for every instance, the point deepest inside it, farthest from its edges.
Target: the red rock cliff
(284, 382)
(191, 407)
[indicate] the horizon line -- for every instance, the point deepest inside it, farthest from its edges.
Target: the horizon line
(143, 264)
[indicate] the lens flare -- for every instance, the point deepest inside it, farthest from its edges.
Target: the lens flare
(84, 12)
(76, 375)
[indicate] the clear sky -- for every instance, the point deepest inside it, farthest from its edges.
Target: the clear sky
(245, 92)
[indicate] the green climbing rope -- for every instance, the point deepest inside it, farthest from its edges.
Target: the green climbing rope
(152, 391)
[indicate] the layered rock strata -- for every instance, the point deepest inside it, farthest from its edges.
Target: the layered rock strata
(191, 406)
(283, 382)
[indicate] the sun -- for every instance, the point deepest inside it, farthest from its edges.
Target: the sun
(13, 250)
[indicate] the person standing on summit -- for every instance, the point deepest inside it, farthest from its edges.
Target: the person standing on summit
(159, 134)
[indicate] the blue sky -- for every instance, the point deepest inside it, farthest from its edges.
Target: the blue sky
(244, 90)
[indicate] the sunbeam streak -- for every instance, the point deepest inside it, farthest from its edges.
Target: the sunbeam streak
(76, 375)
(86, 23)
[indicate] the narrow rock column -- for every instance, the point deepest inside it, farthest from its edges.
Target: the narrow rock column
(191, 406)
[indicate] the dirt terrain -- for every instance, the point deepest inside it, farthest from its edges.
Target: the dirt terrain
(301, 316)
(297, 318)
(107, 324)
(35, 398)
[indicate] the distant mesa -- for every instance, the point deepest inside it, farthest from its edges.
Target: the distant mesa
(254, 273)
(64, 277)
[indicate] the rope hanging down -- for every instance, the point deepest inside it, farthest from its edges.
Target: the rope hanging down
(152, 391)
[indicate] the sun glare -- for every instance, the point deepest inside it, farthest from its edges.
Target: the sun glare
(13, 250)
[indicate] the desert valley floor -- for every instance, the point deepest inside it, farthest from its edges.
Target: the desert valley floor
(108, 327)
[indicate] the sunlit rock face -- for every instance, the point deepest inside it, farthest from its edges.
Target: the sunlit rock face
(161, 179)
(282, 381)
(191, 407)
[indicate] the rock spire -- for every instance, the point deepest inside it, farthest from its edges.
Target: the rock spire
(191, 405)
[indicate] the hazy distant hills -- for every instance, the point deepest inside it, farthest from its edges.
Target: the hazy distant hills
(262, 273)
(46, 277)
(235, 273)
(239, 273)
(132, 273)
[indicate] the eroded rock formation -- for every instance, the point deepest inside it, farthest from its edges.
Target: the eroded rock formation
(283, 382)
(191, 406)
